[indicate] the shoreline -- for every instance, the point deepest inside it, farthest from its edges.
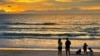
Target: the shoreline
(37, 53)
(39, 49)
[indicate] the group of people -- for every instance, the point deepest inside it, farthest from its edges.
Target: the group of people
(67, 48)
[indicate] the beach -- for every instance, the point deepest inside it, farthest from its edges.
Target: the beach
(37, 53)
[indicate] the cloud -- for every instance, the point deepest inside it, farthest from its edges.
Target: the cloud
(71, 0)
(20, 0)
(92, 2)
(64, 0)
(27, 1)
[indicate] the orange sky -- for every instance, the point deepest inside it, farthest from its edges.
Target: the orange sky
(17, 6)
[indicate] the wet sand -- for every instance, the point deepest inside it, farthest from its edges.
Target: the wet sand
(37, 53)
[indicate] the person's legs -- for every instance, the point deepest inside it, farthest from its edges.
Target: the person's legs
(61, 52)
(66, 51)
(85, 52)
(69, 51)
(58, 52)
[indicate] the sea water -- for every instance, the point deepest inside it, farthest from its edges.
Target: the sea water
(41, 31)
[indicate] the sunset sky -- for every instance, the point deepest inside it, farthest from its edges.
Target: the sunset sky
(17, 6)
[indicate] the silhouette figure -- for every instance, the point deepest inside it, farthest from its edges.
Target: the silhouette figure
(90, 52)
(67, 48)
(85, 48)
(59, 47)
(78, 52)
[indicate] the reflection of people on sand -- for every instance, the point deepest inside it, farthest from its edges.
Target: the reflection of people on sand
(67, 48)
(90, 52)
(85, 48)
(59, 47)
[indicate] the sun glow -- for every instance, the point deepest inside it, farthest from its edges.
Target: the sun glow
(13, 10)
(41, 5)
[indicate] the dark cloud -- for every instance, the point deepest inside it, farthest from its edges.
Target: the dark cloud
(2, 0)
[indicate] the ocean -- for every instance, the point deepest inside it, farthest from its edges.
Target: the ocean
(41, 31)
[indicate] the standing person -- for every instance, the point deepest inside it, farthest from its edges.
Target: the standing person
(59, 47)
(67, 48)
(85, 48)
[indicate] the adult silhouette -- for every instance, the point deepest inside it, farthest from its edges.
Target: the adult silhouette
(85, 48)
(59, 47)
(67, 46)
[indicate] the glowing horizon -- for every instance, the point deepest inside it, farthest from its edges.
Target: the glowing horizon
(17, 6)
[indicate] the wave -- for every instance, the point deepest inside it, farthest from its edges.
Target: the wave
(47, 37)
(41, 23)
(70, 34)
(4, 27)
(44, 34)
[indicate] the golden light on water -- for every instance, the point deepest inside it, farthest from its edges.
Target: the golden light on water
(45, 44)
